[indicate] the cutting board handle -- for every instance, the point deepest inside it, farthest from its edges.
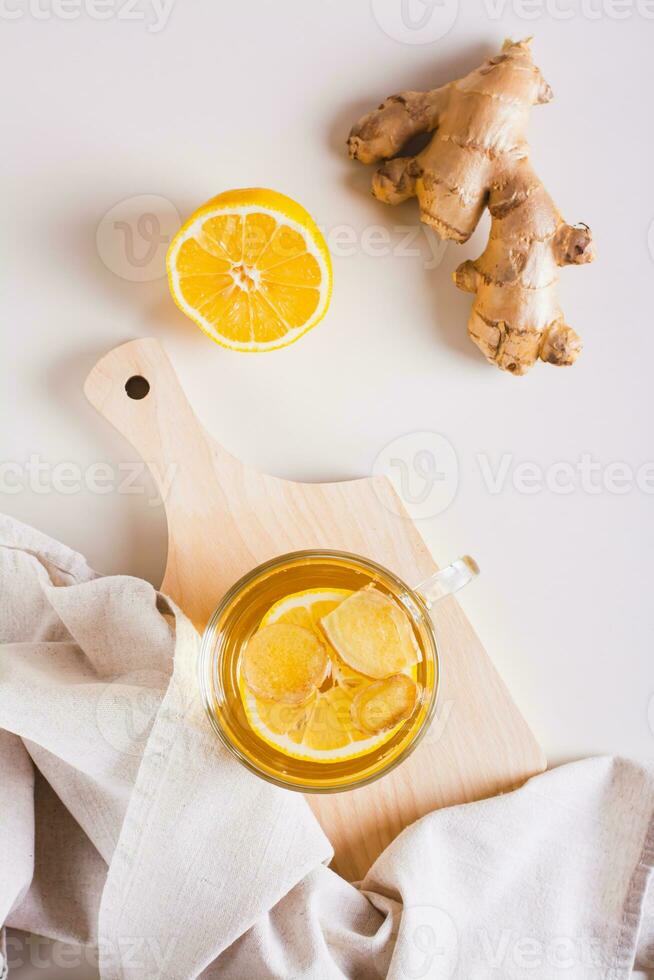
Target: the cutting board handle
(203, 488)
(135, 387)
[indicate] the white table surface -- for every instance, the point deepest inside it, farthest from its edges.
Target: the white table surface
(263, 93)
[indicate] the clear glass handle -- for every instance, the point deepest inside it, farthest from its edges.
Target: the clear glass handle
(448, 580)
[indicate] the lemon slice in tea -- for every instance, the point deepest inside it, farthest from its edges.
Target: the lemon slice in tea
(323, 727)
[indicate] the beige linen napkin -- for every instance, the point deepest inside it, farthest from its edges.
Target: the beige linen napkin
(126, 826)
(150, 838)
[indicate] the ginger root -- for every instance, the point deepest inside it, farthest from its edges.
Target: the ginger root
(478, 158)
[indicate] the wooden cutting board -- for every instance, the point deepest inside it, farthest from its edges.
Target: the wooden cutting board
(224, 518)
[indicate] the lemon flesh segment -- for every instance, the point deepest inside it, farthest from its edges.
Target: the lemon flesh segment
(345, 676)
(282, 718)
(306, 608)
(329, 726)
(384, 704)
(252, 269)
(320, 731)
(286, 663)
(372, 635)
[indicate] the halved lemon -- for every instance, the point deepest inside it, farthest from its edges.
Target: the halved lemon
(252, 269)
(322, 729)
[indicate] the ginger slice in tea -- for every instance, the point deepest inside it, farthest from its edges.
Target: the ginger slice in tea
(384, 704)
(284, 662)
(372, 634)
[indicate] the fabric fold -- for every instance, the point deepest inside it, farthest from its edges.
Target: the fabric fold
(98, 691)
(127, 826)
(196, 815)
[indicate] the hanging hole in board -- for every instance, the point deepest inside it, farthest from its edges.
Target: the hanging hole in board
(137, 387)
